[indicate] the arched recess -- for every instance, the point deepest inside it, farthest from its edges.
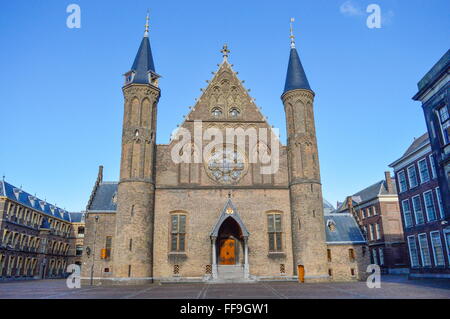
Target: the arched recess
(229, 237)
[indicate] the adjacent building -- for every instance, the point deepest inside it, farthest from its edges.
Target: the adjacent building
(77, 238)
(434, 93)
(36, 237)
(377, 212)
(425, 223)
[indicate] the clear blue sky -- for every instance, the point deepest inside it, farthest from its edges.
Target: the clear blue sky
(61, 99)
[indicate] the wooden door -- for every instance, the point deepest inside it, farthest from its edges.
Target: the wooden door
(301, 273)
(227, 253)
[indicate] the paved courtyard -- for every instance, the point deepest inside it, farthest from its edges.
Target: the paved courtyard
(391, 287)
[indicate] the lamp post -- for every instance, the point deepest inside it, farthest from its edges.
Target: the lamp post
(93, 251)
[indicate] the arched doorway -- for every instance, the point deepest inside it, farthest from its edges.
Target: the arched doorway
(229, 243)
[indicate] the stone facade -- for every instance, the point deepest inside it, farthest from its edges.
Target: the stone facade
(218, 213)
(348, 262)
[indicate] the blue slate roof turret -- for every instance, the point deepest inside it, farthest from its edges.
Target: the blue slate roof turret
(143, 63)
(296, 77)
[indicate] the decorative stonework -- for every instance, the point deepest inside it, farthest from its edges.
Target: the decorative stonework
(226, 166)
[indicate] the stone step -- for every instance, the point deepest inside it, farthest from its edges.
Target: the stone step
(230, 272)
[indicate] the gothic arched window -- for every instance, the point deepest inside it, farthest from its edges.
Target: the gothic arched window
(216, 112)
(234, 112)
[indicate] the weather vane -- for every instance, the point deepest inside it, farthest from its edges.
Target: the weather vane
(147, 24)
(292, 34)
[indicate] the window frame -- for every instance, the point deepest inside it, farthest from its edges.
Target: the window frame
(412, 240)
(432, 166)
(442, 123)
(402, 181)
(178, 234)
(417, 211)
(440, 202)
(430, 192)
(276, 235)
(409, 212)
(422, 179)
(408, 169)
(419, 237)
(433, 248)
(381, 255)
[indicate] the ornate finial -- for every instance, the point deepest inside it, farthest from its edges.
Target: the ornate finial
(292, 34)
(225, 51)
(146, 24)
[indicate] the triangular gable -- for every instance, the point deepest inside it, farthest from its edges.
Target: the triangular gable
(226, 92)
(229, 211)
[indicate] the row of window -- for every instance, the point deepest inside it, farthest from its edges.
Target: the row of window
(21, 215)
(351, 255)
(373, 231)
(367, 212)
(217, 112)
(56, 267)
(423, 250)
(377, 256)
(412, 179)
(17, 266)
(58, 248)
(24, 242)
(178, 232)
(413, 209)
(19, 241)
(352, 272)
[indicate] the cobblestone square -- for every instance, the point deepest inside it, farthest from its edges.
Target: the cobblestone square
(392, 287)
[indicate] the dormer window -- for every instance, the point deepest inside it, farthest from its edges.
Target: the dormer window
(216, 112)
(234, 112)
(17, 192)
(32, 200)
(153, 78)
(331, 225)
(129, 77)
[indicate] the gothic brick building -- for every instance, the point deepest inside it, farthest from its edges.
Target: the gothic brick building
(220, 216)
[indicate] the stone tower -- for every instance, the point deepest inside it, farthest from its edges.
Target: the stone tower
(308, 233)
(133, 242)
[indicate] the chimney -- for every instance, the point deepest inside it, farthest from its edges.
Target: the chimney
(387, 176)
(100, 174)
(349, 203)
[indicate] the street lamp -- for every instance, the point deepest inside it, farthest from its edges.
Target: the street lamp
(93, 249)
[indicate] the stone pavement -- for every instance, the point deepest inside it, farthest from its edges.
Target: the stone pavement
(391, 287)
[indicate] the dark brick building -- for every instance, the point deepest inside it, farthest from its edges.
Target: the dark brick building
(425, 224)
(434, 93)
(377, 213)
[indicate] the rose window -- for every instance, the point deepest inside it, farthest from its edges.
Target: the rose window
(226, 165)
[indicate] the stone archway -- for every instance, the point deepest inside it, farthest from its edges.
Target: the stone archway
(229, 243)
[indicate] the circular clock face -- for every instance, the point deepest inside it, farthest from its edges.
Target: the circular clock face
(226, 165)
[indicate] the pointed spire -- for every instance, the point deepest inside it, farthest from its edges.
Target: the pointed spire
(143, 63)
(296, 77)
